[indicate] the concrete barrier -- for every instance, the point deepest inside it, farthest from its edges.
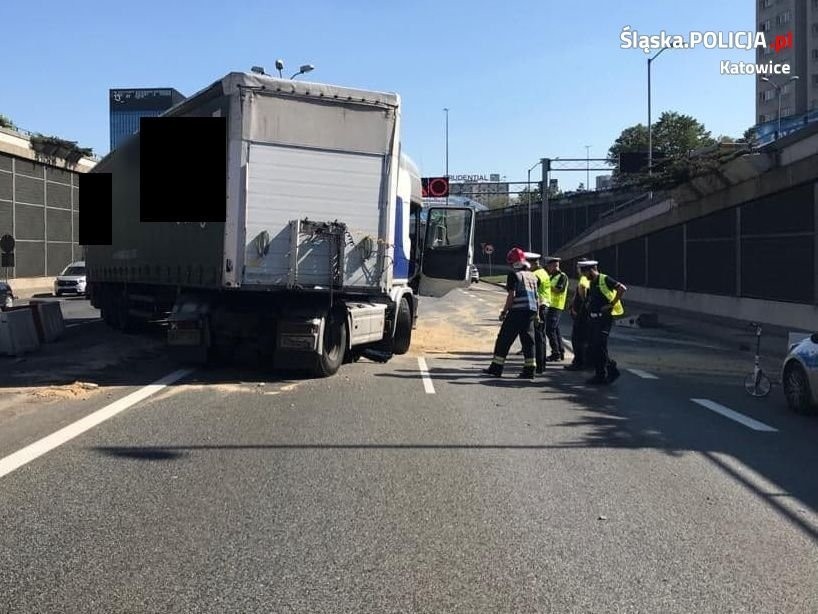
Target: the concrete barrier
(18, 333)
(48, 320)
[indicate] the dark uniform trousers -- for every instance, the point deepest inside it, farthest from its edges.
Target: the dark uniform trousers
(598, 346)
(580, 334)
(552, 330)
(517, 323)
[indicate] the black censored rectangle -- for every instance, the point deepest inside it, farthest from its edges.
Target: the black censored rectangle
(183, 169)
(95, 216)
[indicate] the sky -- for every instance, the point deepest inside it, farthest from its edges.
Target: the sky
(523, 79)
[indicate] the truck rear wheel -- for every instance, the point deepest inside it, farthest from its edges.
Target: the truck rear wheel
(334, 346)
(403, 328)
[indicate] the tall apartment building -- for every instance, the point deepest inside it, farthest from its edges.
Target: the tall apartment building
(778, 17)
(128, 105)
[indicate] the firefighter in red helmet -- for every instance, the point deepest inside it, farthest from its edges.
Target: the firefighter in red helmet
(519, 315)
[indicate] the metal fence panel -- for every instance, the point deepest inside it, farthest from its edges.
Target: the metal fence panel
(778, 268)
(631, 262)
(666, 259)
(711, 266)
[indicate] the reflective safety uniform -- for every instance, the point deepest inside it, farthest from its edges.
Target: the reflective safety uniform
(601, 294)
(518, 322)
(544, 293)
(580, 331)
(559, 290)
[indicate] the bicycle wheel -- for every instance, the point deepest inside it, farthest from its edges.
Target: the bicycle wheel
(757, 384)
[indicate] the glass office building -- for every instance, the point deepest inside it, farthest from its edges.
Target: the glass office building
(128, 105)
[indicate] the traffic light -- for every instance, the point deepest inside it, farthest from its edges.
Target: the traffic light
(435, 187)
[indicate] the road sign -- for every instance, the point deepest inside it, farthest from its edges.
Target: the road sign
(434, 187)
(488, 249)
(7, 244)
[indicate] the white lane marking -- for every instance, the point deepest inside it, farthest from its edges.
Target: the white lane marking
(83, 323)
(642, 374)
(734, 415)
(48, 443)
(424, 372)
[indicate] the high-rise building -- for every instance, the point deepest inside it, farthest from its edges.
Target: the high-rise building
(604, 182)
(778, 18)
(128, 105)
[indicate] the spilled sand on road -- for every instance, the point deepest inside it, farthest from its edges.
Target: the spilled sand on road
(257, 388)
(77, 390)
(465, 329)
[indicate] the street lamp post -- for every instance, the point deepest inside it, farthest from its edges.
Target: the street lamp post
(650, 124)
(446, 110)
(530, 246)
(778, 89)
(304, 69)
(545, 163)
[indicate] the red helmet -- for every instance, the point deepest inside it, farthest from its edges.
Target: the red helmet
(515, 255)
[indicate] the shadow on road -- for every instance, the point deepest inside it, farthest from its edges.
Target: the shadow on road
(631, 414)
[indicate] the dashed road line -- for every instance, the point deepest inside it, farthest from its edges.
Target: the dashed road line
(642, 374)
(46, 444)
(428, 385)
(734, 415)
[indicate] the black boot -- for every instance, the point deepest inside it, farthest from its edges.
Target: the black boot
(527, 373)
(613, 372)
(494, 370)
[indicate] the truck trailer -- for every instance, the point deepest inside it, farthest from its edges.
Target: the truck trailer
(325, 246)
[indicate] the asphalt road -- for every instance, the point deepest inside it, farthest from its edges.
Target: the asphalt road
(383, 490)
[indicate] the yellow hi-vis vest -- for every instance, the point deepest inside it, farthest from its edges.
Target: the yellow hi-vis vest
(618, 309)
(558, 298)
(544, 287)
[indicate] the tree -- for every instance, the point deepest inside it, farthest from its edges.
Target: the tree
(522, 195)
(5, 122)
(749, 135)
(631, 139)
(675, 134)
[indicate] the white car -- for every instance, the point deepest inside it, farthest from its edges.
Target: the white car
(475, 274)
(799, 376)
(71, 280)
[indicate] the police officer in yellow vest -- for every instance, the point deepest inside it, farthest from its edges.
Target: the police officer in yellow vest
(581, 328)
(604, 303)
(559, 290)
(544, 293)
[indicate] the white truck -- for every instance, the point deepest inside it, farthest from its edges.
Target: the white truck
(325, 247)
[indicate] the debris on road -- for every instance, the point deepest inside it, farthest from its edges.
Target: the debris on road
(77, 390)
